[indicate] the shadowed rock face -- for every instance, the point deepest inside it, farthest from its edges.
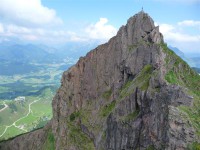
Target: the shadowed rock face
(35, 140)
(117, 98)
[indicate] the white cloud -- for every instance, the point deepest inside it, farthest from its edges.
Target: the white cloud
(189, 23)
(27, 13)
(74, 37)
(43, 35)
(13, 29)
(165, 28)
(177, 35)
(171, 32)
(180, 37)
(1, 28)
(101, 30)
(29, 20)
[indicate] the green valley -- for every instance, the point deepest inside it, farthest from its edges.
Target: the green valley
(25, 113)
(25, 99)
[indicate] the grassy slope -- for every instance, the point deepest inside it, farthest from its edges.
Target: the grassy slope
(77, 137)
(32, 86)
(179, 73)
(41, 112)
(49, 144)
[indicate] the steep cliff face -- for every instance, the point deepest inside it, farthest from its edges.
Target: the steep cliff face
(127, 94)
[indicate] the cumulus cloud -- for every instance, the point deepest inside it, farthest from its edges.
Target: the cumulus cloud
(27, 13)
(101, 30)
(30, 20)
(42, 35)
(13, 29)
(171, 32)
(165, 28)
(189, 23)
(179, 35)
(73, 36)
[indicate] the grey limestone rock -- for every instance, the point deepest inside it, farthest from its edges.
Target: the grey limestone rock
(117, 98)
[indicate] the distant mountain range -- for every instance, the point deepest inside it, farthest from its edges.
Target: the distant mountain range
(19, 58)
(43, 53)
(123, 96)
(26, 53)
(196, 69)
(77, 49)
(192, 61)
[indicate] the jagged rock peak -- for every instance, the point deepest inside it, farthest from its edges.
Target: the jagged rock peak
(117, 97)
(142, 21)
(141, 27)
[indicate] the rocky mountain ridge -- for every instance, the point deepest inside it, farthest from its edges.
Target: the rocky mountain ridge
(130, 93)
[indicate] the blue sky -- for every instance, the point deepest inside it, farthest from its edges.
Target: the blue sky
(59, 21)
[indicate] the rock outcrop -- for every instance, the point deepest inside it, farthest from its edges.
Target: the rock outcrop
(35, 140)
(120, 96)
